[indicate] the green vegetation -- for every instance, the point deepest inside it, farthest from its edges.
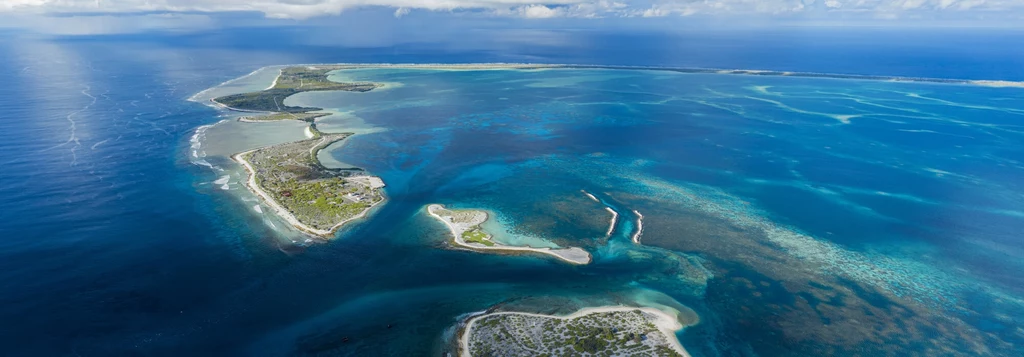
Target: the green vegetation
(466, 229)
(319, 198)
(316, 196)
(314, 78)
(477, 236)
(614, 333)
(292, 80)
(270, 100)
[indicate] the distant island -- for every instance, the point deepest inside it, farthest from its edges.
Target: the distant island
(292, 80)
(602, 331)
(694, 70)
(289, 177)
(465, 228)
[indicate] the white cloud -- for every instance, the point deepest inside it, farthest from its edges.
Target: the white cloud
(654, 12)
(301, 9)
(540, 12)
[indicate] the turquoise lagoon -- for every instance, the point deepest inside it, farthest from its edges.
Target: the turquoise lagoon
(793, 215)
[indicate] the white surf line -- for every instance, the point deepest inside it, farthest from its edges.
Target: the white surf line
(611, 225)
(590, 195)
(666, 323)
(639, 227)
(195, 97)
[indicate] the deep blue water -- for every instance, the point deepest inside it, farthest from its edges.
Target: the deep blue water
(787, 230)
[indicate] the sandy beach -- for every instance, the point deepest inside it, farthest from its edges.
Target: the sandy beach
(447, 66)
(284, 213)
(220, 105)
(1000, 84)
(611, 225)
(666, 323)
(572, 255)
(274, 84)
(639, 227)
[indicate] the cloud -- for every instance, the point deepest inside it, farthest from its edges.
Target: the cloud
(540, 12)
(533, 9)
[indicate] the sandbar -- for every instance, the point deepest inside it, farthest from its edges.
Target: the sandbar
(639, 227)
(465, 227)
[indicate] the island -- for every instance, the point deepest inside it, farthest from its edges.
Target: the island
(291, 80)
(467, 233)
(314, 199)
(602, 331)
(289, 178)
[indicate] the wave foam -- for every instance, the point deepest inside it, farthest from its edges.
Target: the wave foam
(223, 182)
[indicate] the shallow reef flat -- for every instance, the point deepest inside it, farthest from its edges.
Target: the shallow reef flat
(467, 233)
(566, 219)
(602, 331)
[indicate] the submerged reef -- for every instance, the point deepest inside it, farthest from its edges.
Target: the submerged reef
(769, 287)
(835, 301)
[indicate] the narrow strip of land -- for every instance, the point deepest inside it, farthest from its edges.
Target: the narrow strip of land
(639, 227)
(270, 102)
(465, 227)
(611, 225)
(695, 70)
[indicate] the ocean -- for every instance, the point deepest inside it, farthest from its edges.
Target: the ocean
(792, 216)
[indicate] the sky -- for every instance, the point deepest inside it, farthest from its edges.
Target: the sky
(302, 9)
(69, 17)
